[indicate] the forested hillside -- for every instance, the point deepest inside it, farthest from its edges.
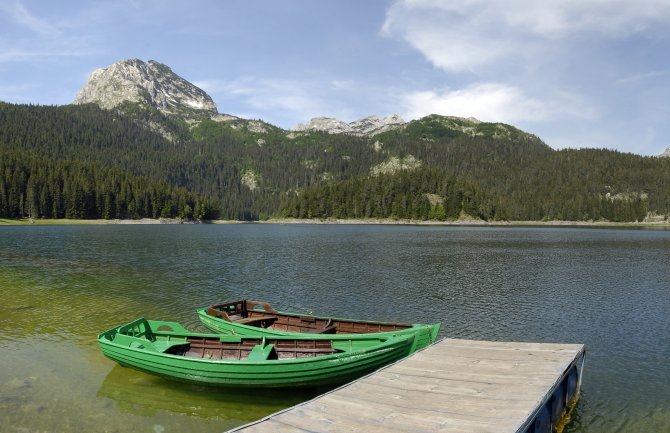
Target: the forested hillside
(39, 187)
(433, 168)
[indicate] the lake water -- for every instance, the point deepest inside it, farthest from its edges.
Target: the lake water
(61, 285)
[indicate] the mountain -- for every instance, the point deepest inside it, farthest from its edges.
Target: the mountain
(368, 126)
(158, 147)
(433, 127)
(152, 84)
(666, 154)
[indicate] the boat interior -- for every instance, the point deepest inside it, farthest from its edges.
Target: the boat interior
(172, 338)
(262, 315)
(252, 349)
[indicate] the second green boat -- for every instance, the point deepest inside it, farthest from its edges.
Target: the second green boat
(257, 318)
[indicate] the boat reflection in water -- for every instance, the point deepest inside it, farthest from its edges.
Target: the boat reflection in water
(142, 394)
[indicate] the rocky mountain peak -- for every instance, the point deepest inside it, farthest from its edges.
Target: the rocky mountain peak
(370, 125)
(666, 154)
(374, 125)
(151, 83)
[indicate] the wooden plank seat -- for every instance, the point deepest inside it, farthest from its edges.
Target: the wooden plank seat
(332, 329)
(259, 321)
(303, 352)
(216, 349)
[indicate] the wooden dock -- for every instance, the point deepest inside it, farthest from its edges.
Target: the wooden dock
(462, 386)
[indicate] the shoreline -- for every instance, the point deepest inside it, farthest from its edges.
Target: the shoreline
(371, 221)
(467, 222)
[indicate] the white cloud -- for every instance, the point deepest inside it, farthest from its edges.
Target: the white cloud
(20, 55)
(22, 17)
(465, 35)
(26, 37)
(488, 102)
(494, 102)
(557, 18)
(283, 99)
(636, 78)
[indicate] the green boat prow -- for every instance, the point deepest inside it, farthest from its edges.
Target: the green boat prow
(256, 319)
(168, 349)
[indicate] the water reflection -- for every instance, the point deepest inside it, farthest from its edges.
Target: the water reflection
(143, 395)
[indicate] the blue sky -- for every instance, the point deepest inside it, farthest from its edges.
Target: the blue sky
(577, 73)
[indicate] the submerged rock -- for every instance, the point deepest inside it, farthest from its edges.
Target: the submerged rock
(18, 383)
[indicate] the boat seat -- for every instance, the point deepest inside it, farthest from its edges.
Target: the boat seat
(262, 353)
(332, 329)
(261, 322)
(291, 352)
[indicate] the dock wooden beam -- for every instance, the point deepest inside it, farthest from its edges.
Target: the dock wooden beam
(463, 386)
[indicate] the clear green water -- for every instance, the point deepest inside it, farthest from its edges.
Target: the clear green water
(61, 285)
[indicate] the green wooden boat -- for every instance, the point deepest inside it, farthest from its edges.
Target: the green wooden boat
(168, 349)
(256, 318)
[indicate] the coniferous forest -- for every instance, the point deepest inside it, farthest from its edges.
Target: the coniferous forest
(134, 162)
(37, 187)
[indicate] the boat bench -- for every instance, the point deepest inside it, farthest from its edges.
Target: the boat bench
(202, 347)
(327, 330)
(294, 352)
(261, 322)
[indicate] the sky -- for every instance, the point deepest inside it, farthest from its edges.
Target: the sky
(576, 73)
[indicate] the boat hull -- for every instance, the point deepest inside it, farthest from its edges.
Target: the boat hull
(368, 354)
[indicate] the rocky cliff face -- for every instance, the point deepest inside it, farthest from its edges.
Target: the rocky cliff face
(150, 83)
(369, 126)
(666, 154)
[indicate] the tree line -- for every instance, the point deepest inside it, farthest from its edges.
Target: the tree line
(434, 194)
(38, 187)
(504, 173)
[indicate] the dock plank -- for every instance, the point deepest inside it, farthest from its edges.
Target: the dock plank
(464, 386)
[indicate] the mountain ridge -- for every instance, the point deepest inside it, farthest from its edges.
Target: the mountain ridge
(151, 83)
(154, 85)
(436, 167)
(368, 126)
